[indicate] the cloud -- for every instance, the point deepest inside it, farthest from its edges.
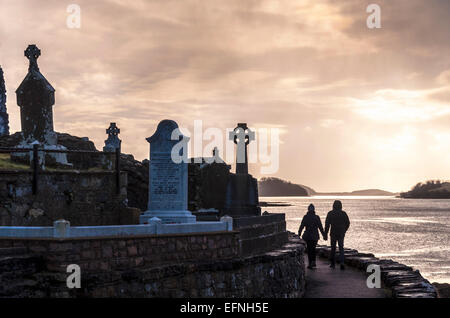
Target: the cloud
(311, 67)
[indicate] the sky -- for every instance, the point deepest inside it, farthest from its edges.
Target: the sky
(356, 108)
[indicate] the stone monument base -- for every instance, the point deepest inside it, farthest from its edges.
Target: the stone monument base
(242, 196)
(168, 217)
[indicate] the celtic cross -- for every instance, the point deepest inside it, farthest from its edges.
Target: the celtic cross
(113, 130)
(241, 136)
(32, 53)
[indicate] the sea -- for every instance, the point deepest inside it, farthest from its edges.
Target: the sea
(415, 232)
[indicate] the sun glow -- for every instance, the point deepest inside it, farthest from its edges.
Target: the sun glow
(399, 106)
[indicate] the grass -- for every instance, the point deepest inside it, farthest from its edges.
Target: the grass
(7, 164)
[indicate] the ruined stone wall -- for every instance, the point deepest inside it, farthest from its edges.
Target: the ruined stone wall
(197, 265)
(83, 198)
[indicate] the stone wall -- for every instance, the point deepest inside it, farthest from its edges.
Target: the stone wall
(114, 253)
(200, 265)
(83, 198)
(261, 233)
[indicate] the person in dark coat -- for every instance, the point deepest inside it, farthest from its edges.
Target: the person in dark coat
(312, 223)
(339, 222)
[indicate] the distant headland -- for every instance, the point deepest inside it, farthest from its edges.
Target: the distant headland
(432, 189)
(272, 187)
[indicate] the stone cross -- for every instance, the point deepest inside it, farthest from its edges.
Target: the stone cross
(241, 136)
(4, 121)
(113, 130)
(32, 53)
(36, 97)
(113, 142)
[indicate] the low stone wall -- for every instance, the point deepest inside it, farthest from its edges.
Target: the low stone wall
(201, 265)
(401, 280)
(18, 272)
(113, 253)
(83, 198)
(262, 233)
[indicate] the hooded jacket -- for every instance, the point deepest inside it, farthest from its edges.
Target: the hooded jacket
(338, 221)
(313, 224)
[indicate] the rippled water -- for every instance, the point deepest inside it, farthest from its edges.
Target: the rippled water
(415, 232)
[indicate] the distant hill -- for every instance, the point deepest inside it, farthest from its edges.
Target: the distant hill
(433, 189)
(371, 192)
(274, 187)
(376, 192)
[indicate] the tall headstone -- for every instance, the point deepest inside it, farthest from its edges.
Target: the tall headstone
(242, 190)
(36, 97)
(113, 142)
(168, 179)
(4, 120)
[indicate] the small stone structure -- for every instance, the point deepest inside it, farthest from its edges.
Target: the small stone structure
(168, 180)
(242, 190)
(4, 121)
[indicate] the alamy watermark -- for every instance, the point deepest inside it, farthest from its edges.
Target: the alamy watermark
(374, 279)
(73, 20)
(74, 279)
(374, 19)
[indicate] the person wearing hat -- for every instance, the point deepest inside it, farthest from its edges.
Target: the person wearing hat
(312, 223)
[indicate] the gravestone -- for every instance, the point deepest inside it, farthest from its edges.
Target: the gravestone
(36, 97)
(168, 178)
(113, 142)
(4, 122)
(242, 189)
(208, 181)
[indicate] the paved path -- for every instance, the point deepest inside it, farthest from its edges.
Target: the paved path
(324, 282)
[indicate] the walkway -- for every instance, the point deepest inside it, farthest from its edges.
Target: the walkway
(324, 282)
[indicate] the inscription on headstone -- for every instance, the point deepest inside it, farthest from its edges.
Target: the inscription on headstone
(166, 183)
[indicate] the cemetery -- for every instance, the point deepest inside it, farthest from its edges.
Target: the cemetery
(170, 226)
(156, 228)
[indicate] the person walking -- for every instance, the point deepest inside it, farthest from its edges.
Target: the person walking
(339, 222)
(312, 223)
